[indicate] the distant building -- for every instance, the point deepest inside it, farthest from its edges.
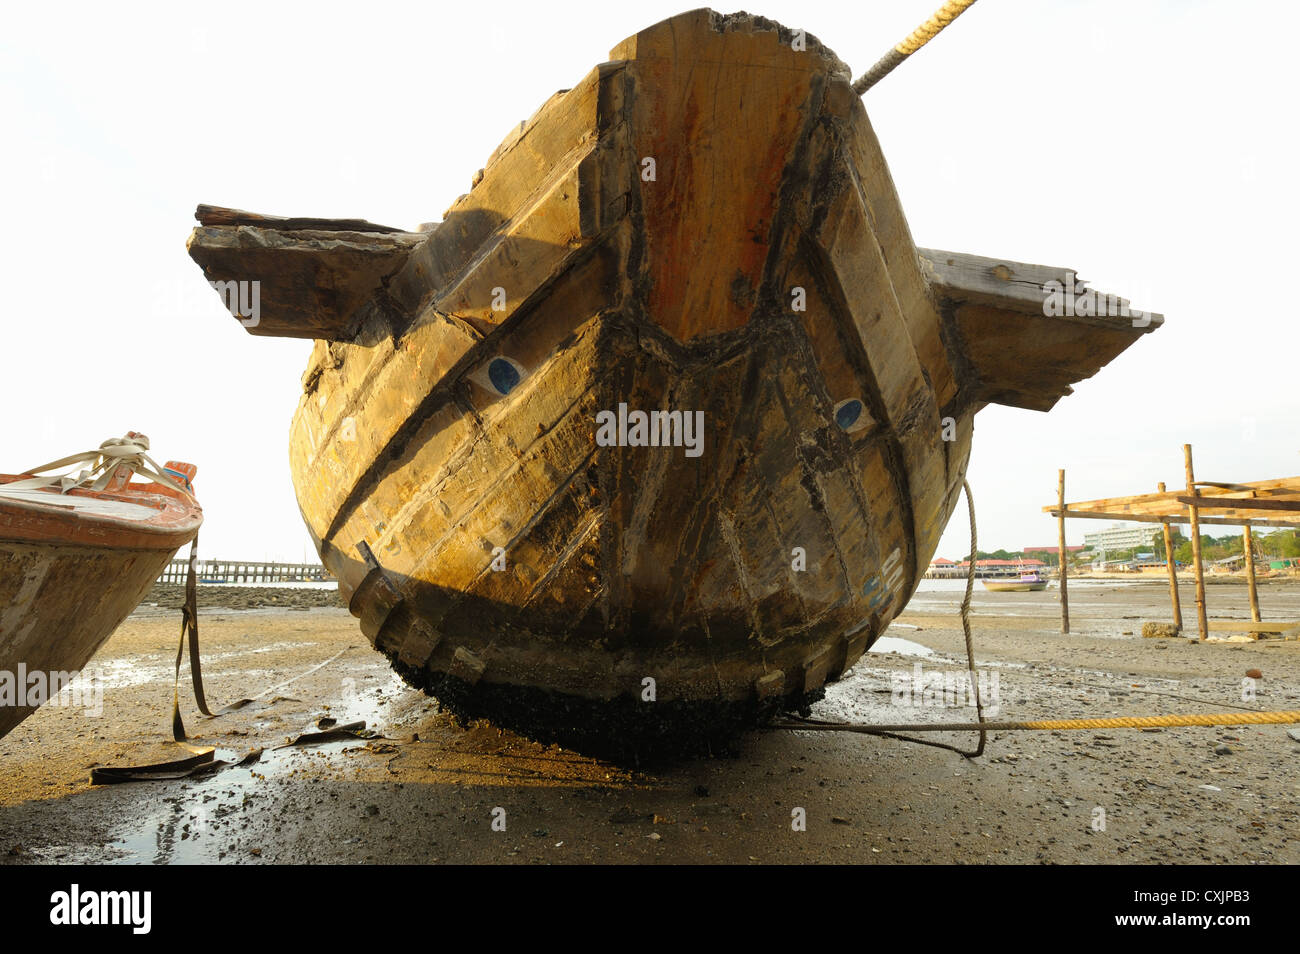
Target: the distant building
(944, 569)
(1123, 538)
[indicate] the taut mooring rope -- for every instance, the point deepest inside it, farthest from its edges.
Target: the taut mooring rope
(1284, 717)
(890, 730)
(918, 38)
(1250, 717)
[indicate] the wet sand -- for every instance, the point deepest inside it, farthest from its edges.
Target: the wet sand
(1034, 797)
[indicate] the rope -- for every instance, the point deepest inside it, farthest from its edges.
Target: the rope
(918, 38)
(965, 611)
(114, 453)
(1284, 717)
(889, 730)
(1247, 717)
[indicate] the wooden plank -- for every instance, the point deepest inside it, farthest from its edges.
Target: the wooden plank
(217, 215)
(1217, 503)
(711, 208)
(1014, 286)
(1225, 518)
(310, 284)
(1022, 353)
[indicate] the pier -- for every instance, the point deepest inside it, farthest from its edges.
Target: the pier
(239, 571)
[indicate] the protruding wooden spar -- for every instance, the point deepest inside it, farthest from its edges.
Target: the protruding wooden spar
(918, 38)
(1172, 566)
(1248, 549)
(1194, 515)
(1060, 549)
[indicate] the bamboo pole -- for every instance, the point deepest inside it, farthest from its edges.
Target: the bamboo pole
(1248, 547)
(1060, 549)
(1202, 624)
(1173, 571)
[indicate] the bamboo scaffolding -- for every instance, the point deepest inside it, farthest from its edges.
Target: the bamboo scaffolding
(1265, 503)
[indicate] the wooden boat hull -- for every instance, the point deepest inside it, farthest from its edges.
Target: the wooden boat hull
(72, 568)
(705, 224)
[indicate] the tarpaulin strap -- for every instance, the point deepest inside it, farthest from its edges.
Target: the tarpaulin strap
(190, 633)
(204, 761)
(196, 765)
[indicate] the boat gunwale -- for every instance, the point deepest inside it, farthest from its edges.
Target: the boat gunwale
(54, 523)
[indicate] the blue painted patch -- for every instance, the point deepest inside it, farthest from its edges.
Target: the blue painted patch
(503, 375)
(847, 414)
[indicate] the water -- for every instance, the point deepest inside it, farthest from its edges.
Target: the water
(903, 647)
(194, 822)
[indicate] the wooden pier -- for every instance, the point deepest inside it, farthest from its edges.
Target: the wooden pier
(239, 571)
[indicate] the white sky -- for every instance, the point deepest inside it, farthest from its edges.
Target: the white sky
(1150, 145)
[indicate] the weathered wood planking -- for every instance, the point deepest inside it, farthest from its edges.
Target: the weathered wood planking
(759, 269)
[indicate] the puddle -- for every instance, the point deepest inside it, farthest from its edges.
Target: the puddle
(903, 647)
(122, 673)
(198, 821)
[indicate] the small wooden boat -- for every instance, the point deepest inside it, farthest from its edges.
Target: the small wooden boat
(1025, 583)
(658, 429)
(77, 554)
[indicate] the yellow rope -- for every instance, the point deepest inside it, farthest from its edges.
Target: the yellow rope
(1052, 725)
(1150, 722)
(928, 30)
(918, 38)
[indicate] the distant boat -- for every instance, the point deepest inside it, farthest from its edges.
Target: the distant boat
(1026, 582)
(77, 554)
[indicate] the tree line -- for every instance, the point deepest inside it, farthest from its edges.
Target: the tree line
(1277, 545)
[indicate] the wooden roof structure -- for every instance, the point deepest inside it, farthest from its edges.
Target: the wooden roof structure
(1264, 503)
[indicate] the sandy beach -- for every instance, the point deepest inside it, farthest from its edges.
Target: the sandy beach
(433, 791)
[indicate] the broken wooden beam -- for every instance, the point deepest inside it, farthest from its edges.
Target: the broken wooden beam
(1028, 331)
(298, 277)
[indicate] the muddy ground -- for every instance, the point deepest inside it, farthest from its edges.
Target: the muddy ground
(1191, 795)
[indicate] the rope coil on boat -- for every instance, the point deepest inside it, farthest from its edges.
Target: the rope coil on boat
(129, 451)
